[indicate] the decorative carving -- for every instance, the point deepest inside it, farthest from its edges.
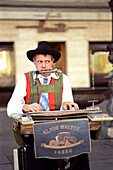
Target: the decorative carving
(60, 27)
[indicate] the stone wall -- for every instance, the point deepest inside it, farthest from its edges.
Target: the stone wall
(81, 28)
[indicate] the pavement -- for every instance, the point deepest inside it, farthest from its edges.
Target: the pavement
(100, 158)
(7, 141)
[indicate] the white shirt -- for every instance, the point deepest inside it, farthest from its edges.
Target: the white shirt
(15, 104)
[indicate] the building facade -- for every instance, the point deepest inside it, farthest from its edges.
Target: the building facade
(73, 27)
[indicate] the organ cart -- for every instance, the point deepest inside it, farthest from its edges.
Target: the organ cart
(57, 134)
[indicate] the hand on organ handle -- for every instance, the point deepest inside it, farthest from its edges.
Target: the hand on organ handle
(70, 105)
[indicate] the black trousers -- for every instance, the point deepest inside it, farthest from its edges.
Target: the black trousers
(80, 162)
(27, 161)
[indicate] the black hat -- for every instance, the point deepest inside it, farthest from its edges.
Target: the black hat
(44, 48)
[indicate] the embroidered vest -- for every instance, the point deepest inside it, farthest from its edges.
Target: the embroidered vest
(54, 90)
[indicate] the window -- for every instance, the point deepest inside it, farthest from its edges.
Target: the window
(60, 46)
(6, 59)
(99, 64)
(6, 64)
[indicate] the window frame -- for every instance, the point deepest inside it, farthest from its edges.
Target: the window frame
(99, 78)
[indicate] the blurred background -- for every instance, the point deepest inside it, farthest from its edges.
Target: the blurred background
(81, 30)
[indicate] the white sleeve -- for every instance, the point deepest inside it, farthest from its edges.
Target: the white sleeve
(15, 104)
(67, 95)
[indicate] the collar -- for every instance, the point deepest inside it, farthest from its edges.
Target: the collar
(52, 75)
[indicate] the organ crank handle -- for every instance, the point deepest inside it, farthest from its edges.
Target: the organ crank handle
(93, 105)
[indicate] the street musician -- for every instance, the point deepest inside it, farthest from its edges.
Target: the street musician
(42, 90)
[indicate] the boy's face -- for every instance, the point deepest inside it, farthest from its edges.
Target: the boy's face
(43, 62)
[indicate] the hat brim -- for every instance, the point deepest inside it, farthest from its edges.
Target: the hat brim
(55, 54)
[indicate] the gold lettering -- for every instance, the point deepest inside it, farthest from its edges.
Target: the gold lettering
(59, 152)
(45, 132)
(70, 150)
(61, 126)
(66, 151)
(78, 128)
(51, 129)
(65, 126)
(70, 127)
(63, 151)
(55, 152)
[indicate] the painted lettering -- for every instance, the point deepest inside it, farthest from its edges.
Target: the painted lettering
(51, 129)
(62, 151)
(70, 127)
